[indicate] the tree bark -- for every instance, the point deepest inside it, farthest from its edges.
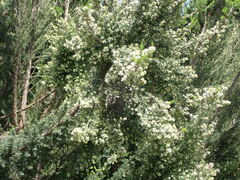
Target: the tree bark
(15, 95)
(25, 93)
(66, 9)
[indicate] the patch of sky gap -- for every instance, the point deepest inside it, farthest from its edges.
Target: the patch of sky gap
(185, 5)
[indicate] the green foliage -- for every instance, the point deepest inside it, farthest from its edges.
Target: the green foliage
(138, 95)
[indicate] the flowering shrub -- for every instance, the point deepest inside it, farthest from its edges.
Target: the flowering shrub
(129, 67)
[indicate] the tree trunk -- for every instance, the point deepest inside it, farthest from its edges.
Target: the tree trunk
(27, 77)
(16, 62)
(25, 93)
(15, 95)
(66, 9)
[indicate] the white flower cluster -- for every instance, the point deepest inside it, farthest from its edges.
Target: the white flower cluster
(206, 102)
(84, 134)
(91, 132)
(203, 171)
(156, 119)
(154, 7)
(200, 43)
(210, 97)
(73, 44)
(130, 66)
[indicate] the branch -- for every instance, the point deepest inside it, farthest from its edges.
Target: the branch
(50, 130)
(233, 85)
(228, 92)
(72, 113)
(30, 105)
(39, 168)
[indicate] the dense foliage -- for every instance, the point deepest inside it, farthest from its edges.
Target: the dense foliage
(131, 89)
